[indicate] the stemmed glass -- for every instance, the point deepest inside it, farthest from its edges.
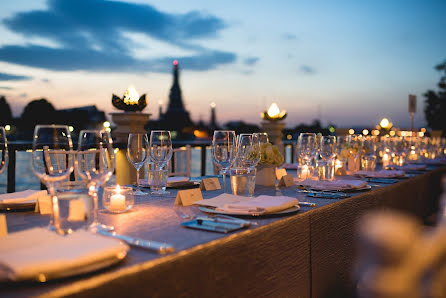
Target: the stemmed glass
(327, 149)
(137, 153)
(262, 136)
(224, 150)
(306, 148)
(95, 164)
(3, 150)
(160, 148)
(160, 154)
(248, 151)
(52, 162)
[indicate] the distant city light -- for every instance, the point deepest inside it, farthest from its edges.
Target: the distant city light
(375, 132)
(421, 134)
(289, 137)
(106, 124)
(331, 129)
(392, 133)
(7, 127)
(71, 128)
(108, 129)
(385, 123)
(365, 132)
(213, 105)
(351, 131)
(423, 130)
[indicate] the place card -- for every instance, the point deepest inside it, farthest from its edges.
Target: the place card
(77, 210)
(280, 173)
(210, 184)
(286, 180)
(188, 197)
(43, 205)
(3, 226)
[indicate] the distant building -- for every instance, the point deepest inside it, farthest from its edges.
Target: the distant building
(176, 118)
(87, 117)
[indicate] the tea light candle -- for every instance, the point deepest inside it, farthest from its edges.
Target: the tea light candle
(117, 201)
(386, 160)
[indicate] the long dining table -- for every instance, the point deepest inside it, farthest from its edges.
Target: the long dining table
(310, 253)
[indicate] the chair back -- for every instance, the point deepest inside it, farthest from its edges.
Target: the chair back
(179, 165)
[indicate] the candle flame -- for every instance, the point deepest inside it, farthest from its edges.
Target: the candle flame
(118, 189)
(131, 96)
(273, 110)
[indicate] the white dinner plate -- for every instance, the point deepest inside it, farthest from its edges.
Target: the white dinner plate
(288, 211)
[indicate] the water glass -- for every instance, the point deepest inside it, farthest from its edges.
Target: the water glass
(160, 147)
(368, 162)
(325, 169)
(243, 181)
(137, 154)
(72, 207)
(157, 179)
(224, 151)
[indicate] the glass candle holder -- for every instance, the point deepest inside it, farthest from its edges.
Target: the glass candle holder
(118, 199)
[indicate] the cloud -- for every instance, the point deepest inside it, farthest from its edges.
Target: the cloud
(307, 69)
(91, 35)
(11, 77)
(289, 36)
(251, 61)
(6, 88)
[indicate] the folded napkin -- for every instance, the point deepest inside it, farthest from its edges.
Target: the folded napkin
(341, 184)
(177, 180)
(260, 205)
(38, 253)
(380, 174)
(26, 196)
(290, 166)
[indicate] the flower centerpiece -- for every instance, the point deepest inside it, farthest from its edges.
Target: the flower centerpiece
(270, 159)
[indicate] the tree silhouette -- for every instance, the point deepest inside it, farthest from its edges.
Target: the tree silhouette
(39, 111)
(5, 112)
(435, 103)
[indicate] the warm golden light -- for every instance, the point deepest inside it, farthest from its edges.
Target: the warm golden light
(375, 132)
(71, 128)
(289, 137)
(7, 127)
(423, 130)
(273, 113)
(421, 134)
(131, 96)
(365, 132)
(392, 133)
(385, 123)
(106, 124)
(351, 131)
(213, 105)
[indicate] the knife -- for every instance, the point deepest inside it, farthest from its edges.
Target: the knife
(159, 247)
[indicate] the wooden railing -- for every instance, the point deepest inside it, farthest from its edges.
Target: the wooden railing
(14, 147)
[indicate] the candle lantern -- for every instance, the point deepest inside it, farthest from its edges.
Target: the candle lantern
(118, 199)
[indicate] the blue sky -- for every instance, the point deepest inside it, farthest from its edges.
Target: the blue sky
(346, 62)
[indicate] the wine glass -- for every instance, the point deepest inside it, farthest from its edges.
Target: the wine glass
(327, 150)
(262, 136)
(160, 148)
(224, 150)
(306, 148)
(52, 162)
(3, 150)
(95, 164)
(137, 153)
(248, 151)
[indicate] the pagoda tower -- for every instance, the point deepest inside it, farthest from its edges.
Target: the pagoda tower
(176, 117)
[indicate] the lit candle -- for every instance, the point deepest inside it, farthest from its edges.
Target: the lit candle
(117, 201)
(386, 160)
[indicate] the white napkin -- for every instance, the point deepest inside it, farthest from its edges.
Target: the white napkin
(341, 184)
(28, 254)
(260, 205)
(177, 180)
(26, 196)
(380, 174)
